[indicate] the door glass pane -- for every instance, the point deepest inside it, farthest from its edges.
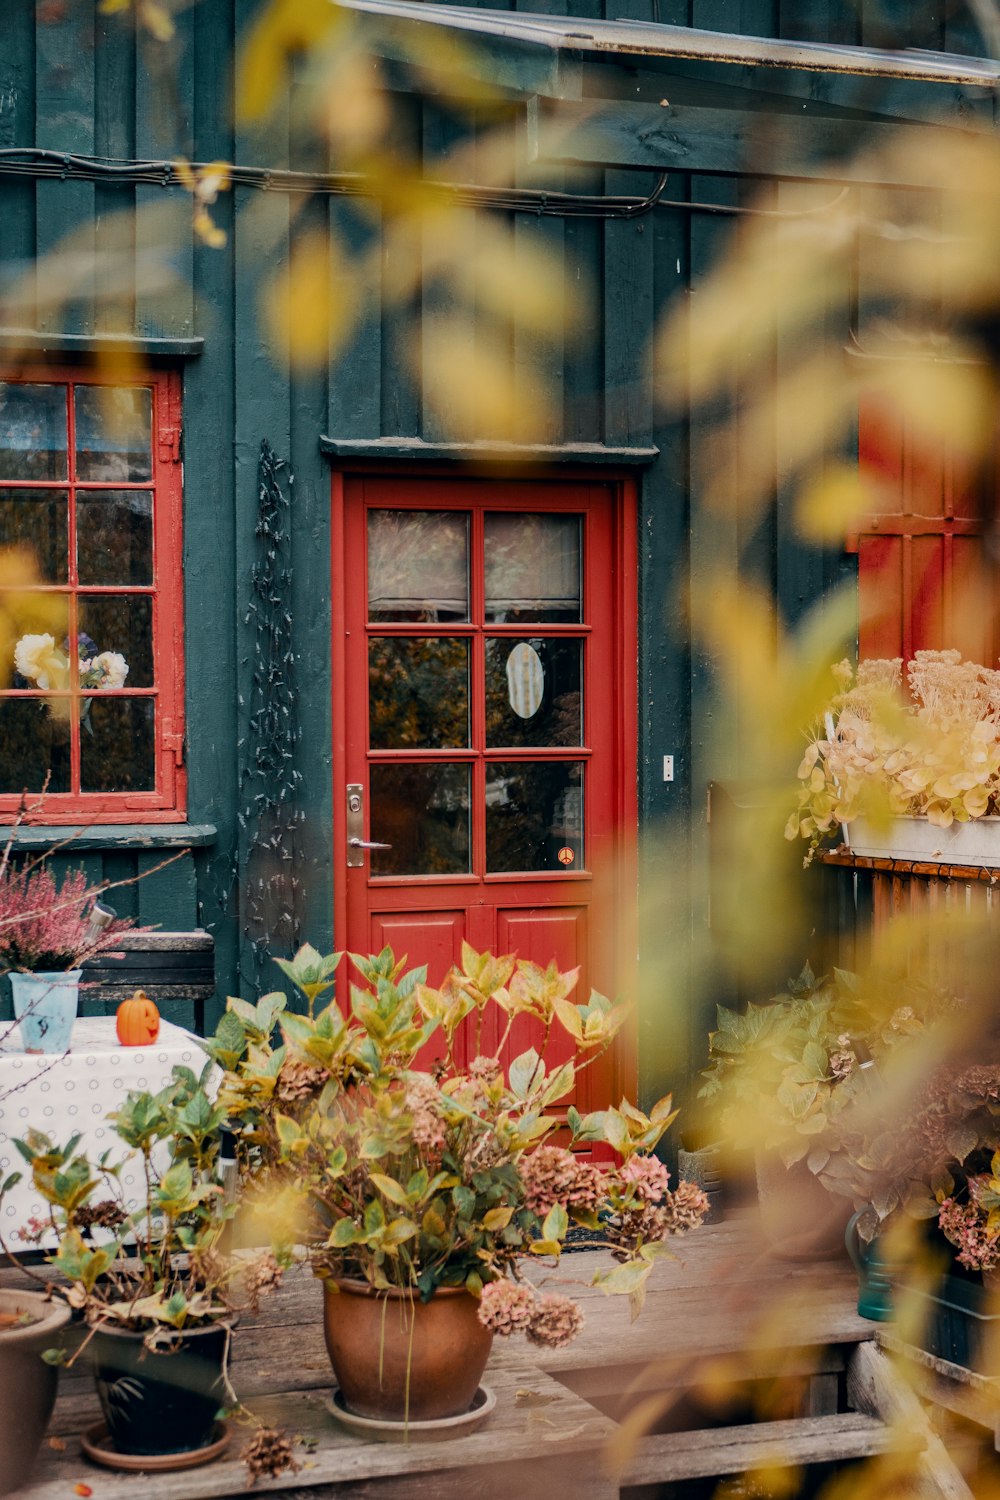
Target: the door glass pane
(418, 693)
(32, 431)
(114, 536)
(534, 816)
(113, 433)
(532, 568)
(37, 519)
(423, 812)
(117, 745)
(418, 565)
(34, 739)
(116, 633)
(533, 692)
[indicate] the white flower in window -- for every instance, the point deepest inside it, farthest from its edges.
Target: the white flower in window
(110, 669)
(38, 660)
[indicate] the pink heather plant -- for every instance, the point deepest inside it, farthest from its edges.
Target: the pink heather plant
(43, 927)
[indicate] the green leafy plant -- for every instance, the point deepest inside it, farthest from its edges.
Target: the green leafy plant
(876, 754)
(442, 1175)
(158, 1267)
(837, 1073)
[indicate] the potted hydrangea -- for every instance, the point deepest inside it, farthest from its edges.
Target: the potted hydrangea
(420, 1169)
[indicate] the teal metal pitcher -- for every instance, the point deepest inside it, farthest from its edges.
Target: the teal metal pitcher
(874, 1286)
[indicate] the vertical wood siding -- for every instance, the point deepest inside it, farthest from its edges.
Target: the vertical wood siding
(83, 84)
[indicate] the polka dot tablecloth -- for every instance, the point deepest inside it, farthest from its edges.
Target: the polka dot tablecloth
(75, 1092)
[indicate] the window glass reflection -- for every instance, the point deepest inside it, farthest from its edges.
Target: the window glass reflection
(532, 568)
(534, 816)
(418, 565)
(533, 692)
(38, 520)
(32, 431)
(113, 433)
(422, 811)
(418, 693)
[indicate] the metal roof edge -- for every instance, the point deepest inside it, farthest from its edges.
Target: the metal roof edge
(599, 39)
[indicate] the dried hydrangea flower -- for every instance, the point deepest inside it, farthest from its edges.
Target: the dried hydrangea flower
(647, 1176)
(299, 1081)
(687, 1205)
(263, 1276)
(506, 1307)
(423, 1100)
(555, 1321)
(554, 1175)
(269, 1454)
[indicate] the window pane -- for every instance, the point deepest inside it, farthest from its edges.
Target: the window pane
(32, 431)
(423, 812)
(418, 694)
(532, 568)
(37, 519)
(114, 536)
(117, 627)
(117, 745)
(533, 693)
(34, 739)
(534, 815)
(418, 565)
(113, 432)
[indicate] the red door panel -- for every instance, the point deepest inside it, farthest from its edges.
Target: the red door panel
(484, 656)
(425, 937)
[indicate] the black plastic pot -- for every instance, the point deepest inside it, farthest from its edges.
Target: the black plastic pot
(162, 1401)
(961, 1324)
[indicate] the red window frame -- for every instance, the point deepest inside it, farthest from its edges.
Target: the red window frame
(167, 801)
(924, 580)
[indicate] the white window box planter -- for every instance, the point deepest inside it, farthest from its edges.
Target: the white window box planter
(973, 843)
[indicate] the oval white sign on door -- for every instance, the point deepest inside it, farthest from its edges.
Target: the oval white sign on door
(525, 680)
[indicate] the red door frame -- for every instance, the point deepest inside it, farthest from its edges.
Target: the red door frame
(620, 885)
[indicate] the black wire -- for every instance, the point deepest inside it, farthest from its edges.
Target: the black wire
(39, 162)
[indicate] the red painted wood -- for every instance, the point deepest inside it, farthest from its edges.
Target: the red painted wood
(924, 580)
(167, 802)
(583, 916)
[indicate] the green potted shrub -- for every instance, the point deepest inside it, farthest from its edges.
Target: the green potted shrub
(420, 1177)
(788, 1076)
(152, 1286)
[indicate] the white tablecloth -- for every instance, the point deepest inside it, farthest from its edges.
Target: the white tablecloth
(63, 1094)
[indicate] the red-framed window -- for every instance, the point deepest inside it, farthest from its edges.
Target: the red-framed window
(91, 653)
(925, 581)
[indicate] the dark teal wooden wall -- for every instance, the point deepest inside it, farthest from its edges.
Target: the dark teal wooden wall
(71, 79)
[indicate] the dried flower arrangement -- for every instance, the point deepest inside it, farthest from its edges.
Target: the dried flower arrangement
(878, 754)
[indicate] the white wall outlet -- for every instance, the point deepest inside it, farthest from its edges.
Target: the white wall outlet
(668, 768)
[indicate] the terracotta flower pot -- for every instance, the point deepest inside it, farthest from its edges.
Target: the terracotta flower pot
(27, 1383)
(399, 1359)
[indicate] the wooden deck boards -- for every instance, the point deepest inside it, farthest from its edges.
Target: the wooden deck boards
(555, 1432)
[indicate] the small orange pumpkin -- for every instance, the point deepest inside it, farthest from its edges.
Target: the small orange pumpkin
(137, 1021)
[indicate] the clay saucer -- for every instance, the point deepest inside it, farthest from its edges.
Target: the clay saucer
(382, 1430)
(100, 1450)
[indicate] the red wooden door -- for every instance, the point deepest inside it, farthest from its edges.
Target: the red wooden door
(486, 729)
